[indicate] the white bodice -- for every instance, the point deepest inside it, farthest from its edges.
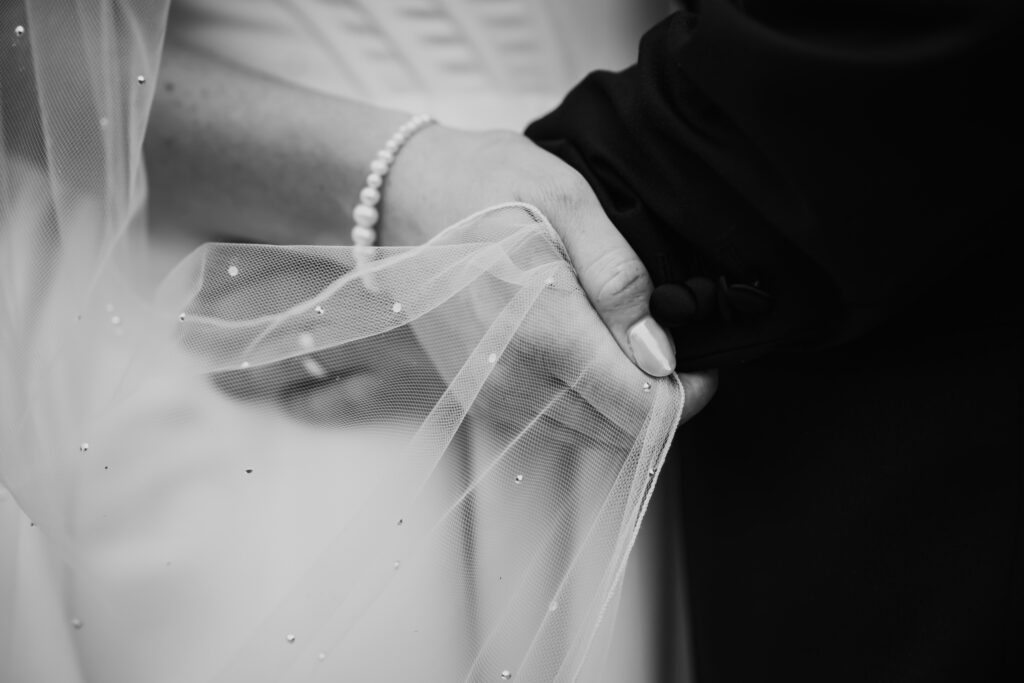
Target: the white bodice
(470, 63)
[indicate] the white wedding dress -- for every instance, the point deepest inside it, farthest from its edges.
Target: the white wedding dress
(184, 494)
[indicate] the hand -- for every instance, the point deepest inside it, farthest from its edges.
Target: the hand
(443, 175)
(392, 376)
(397, 376)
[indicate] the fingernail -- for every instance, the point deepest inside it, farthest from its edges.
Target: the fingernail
(652, 348)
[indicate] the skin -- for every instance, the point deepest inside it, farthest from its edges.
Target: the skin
(232, 154)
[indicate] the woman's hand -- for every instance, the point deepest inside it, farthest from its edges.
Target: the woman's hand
(443, 175)
(233, 155)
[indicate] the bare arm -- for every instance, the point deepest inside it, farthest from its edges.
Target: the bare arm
(234, 154)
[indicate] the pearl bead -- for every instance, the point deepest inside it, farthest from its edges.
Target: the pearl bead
(363, 236)
(366, 216)
(369, 196)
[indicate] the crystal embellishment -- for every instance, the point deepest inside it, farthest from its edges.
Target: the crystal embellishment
(232, 271)
(290, 637)
(19, 31)
(519, 478)
(506, 675)
(396, 307)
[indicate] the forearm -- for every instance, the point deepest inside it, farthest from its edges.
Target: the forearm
(233, 154)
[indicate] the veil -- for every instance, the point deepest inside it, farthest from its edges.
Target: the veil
(269, 464)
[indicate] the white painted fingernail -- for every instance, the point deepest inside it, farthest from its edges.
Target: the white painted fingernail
(652, 348)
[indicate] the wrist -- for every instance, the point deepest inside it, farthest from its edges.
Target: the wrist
(366, 214)
(411, 204)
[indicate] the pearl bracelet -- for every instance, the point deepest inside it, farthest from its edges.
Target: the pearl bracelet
(366, 213)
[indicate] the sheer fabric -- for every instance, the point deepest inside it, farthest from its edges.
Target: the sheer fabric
(273, 466)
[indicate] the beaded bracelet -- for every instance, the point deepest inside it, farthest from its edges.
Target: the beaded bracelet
(366, 214)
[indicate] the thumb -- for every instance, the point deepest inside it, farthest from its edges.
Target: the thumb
(615, 280)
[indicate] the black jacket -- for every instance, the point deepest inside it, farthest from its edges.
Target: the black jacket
(820, 164)
(827, 194)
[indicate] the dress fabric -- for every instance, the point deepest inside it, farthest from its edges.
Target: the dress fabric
(274, 465)
(471, 63)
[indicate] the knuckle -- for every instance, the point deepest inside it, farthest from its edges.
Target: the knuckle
(565, 190)
(623, 281)
(571, 188)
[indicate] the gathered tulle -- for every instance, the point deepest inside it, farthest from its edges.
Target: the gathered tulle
(274, 465)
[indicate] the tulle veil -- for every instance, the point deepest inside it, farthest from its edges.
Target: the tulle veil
(267, 464)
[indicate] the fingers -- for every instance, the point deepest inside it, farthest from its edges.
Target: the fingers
(614, 278)
(699, 388)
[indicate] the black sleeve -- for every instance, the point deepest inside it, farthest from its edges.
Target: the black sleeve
(793, 172)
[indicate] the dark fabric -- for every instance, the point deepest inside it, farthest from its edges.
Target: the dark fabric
(825, 193)
(854, 514)
(840, 156)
